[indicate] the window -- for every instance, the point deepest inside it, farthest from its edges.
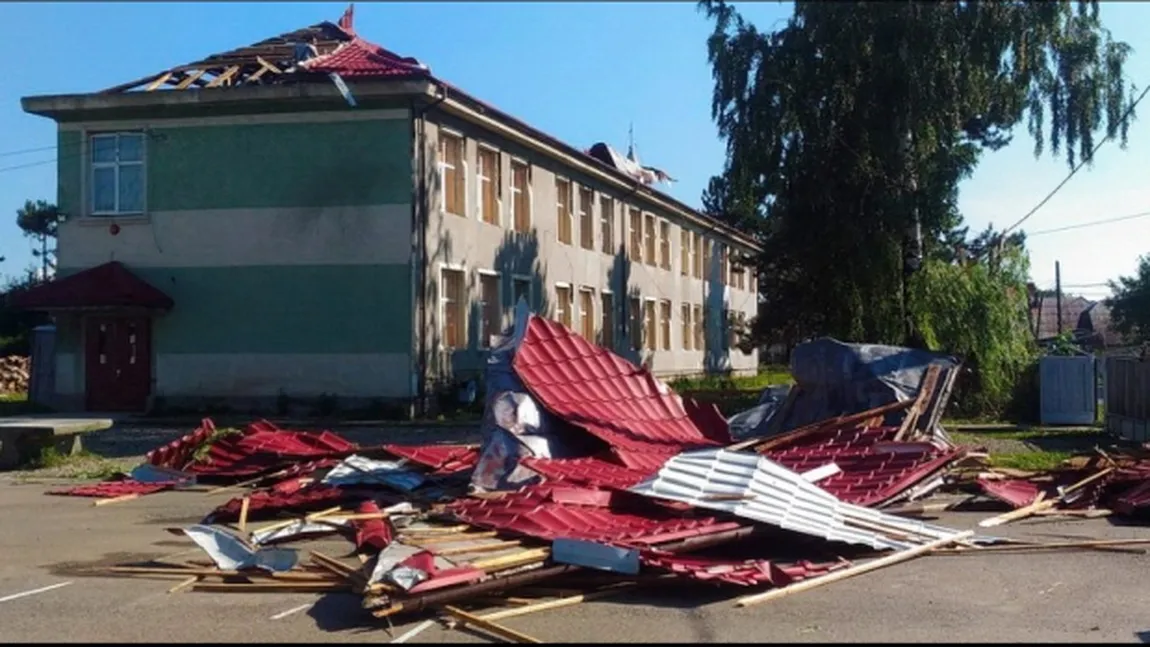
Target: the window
(521, 197)
(649, 240)
(489, 306)
(586, 225)
(587, 313)
(117, 173)
(698, 260)
(684, 252)
(708, 271)
(454, 308)
(665, 245)
(685, 326)
(635, 251)
(607, 224)
(607, 326)
(697, 324)
(563, 304)
(563, 209)
(665, 324)
(451, 173)
(724, 266)
(649, 325)
(490, 187)
(636, 317)
(520, 289)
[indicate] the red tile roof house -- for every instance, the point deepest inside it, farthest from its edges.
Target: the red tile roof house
(315, 215)
(1088, 321)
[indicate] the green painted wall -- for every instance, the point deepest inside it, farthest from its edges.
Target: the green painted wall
(347, 163)
(69, 165)
(326, 309)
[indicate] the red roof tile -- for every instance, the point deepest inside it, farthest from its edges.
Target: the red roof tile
(358, 58)
(110, 285)
(585, 471)
(316, 497)
(375, 534)
(1017, 493)
(590, 387)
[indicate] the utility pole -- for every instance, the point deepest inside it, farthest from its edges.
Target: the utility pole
(1058, 293)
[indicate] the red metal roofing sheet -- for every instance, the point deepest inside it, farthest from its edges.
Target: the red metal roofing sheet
(588, 386)
(1017, 493)
(586, 471)
(177, 453)
(111, 489)
(442, 459)
(874, 468)
(105, 286)
(316, 497)
(375, 534)
(741, 572)
(533, 512)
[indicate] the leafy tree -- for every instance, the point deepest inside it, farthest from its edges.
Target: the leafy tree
(849, 129)
(39, 221)
(1130, 304)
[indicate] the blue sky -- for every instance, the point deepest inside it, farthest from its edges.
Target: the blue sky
(580, 71)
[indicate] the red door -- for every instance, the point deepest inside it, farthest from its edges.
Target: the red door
(118, 367)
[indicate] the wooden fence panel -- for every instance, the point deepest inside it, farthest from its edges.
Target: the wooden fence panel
(1128, 398)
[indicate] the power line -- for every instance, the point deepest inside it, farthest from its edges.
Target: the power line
(1089, 223)
(1077, 167)
(27, 150)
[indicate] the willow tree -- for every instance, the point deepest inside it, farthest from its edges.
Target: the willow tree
(849, 129)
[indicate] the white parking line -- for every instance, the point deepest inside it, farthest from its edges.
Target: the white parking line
(16, 596)
(412, 632)
(287, 613)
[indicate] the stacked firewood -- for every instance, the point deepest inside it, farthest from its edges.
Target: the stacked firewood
(14, 374)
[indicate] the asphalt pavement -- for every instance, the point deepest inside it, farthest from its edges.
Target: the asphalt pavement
(1055, 597)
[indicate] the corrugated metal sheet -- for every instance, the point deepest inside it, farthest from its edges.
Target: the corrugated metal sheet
(755, 488)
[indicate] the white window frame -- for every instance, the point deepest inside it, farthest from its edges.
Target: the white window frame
(609, 219)
(452, 267)
(559, 179)
(564, 284)
(614, 313)
(481, 147)
(92, 165)
(446, 132)
(665, 243)
(650, 240)
(579, 309)
(580, 191)
(667, 344)
(654, 341)
(484, 339)
(687, 343)
(511, 190)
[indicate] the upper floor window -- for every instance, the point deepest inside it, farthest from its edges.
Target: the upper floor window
(586, 227)
(665, 245)
(649, 240)
(451, 173)
(607, 223)
(487, 173)
(521, 197)
(685, 252)
(698, 260)
(635, 244)
(117, 174)
(563, 209)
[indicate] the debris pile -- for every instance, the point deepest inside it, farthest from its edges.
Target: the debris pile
(14, 374)
(595, 477)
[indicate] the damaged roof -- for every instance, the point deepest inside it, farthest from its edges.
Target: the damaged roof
(325, 53)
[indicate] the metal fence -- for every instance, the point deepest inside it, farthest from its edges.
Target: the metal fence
(1128, 398)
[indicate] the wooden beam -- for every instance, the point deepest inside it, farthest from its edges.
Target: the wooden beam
(490, 627)
(223, 78)
(182, 85)
(483, 548)
(835, 576)
(512, 560)
(158, 82)
(554, 604)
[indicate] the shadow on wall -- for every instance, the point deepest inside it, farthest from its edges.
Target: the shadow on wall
(716, 355)
(627, 338)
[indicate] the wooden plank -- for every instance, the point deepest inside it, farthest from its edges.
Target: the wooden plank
(185, 584)
(268, 65)
(1096, 543)
(115, 499)
(224, 77)
(483, 548)
(243, 523)
(835, 576)
(490, 627)
(158, 82)
(555, 604)
(447, 539)
(271, 587)
(512, 560)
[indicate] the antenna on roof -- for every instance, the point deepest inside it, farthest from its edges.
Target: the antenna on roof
(631, 141)
(347, 20)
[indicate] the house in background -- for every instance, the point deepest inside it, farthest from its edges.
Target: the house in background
(1088, 321)
(315, 215)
